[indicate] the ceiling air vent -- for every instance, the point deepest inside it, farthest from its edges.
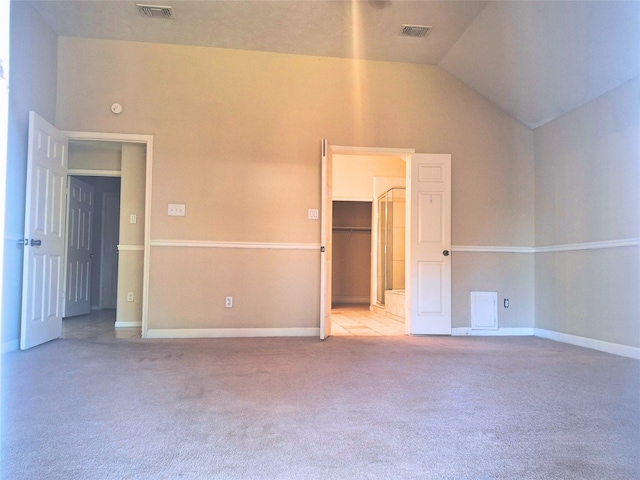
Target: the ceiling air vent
(155, 11)
(415, 30)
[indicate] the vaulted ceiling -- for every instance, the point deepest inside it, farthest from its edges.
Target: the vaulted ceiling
(535, 59)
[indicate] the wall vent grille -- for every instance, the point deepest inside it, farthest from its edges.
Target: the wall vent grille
(155, 11)
(415, 30)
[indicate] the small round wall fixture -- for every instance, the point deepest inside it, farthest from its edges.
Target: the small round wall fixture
(116, 108)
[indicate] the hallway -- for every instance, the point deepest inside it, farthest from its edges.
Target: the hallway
(97, 324)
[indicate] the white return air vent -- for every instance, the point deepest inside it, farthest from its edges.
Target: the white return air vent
(415, 30)
(155, 11)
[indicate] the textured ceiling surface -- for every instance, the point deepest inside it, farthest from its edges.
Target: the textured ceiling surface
(535, 59)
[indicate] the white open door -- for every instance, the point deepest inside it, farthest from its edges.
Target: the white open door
(326, 239)
(79, 248)
(44, 237)
(429, 266)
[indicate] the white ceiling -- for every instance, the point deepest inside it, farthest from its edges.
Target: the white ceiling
(535, 59)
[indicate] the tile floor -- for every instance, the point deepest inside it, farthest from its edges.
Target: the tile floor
(358, 320)
(97, 324)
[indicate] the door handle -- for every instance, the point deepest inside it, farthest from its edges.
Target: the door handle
(35, 243)
(23, 242)
(446, 253)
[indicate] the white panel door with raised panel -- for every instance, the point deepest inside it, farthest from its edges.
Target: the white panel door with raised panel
(429, 267)
(79, 248)
(44, 236)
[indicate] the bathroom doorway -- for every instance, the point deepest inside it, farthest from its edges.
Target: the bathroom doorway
(427, 299)
(363, 267)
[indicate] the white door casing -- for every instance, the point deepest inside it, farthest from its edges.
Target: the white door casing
(109, 250)
(429, 245)
(79, 255)
(326, 213)
(44, 234)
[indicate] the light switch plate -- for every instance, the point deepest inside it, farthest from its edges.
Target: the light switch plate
(176, 210)
(312, 214)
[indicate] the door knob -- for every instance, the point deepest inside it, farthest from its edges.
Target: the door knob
(446, 253)
(35, 243)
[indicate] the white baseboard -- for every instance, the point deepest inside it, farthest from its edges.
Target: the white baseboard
(500, 332)
(614, 348)
(10, 346)
(128, 324)
(231, 332)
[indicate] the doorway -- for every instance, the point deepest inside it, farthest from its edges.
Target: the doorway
(427, 299)
(91, 283)
(357, 297)
(43, 277)
(114, 171)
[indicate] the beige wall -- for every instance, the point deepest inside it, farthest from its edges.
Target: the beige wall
(237, 139)
(509, 274)
(34, 52)
(353, 174)
(586, 190)
(93, 155)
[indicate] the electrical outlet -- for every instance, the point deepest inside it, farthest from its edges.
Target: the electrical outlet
(176, 210)
(228, 302)
(130, 297)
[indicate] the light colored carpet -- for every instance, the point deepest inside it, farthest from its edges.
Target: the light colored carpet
(297, 408)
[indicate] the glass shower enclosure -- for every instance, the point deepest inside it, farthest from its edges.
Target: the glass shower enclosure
(391, 242)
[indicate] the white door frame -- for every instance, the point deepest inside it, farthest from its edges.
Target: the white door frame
(405, 154)
(148, 141)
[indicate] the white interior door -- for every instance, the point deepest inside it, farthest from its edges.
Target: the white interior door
(429, 266)
(79, 248)
(109, 251)
(44, 236)
(326, 238)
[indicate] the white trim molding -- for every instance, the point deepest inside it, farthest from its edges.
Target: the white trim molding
(94, 173)
(608, 347)
(500, 332)
(128, 325)
(488, 249)
(569, 247)
(131, 248)
(232, 332)
(13, 237)
(628, 242)
(244, 245)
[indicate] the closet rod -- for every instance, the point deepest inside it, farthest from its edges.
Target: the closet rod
(351, 229)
